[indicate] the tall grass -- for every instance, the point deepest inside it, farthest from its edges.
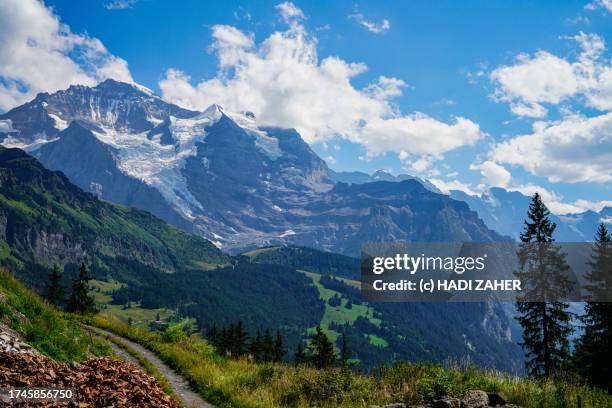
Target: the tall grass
(48, 330)
(243, 383)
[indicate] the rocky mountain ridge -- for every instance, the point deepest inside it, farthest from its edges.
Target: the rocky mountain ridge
(222, 175)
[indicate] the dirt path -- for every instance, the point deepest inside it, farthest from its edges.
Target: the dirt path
(181, 387)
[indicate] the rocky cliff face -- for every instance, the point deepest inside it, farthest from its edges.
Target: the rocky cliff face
(223, 175)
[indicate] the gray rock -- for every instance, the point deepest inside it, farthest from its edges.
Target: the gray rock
(496, 398)
(447, 403)
(475, 399)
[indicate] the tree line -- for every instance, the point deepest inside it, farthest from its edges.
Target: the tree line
(233, 341)
(548, 324)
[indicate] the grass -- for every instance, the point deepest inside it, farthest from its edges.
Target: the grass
(377, 340)
(140, 317)
(243, 383)
(48, 330)
(259, 251)
(339, 314)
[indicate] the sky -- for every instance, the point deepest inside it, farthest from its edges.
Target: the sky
(470, 94)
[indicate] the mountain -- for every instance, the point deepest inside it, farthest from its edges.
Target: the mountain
(46, 220)
(504, 211)
(359, 177)
(223, 176)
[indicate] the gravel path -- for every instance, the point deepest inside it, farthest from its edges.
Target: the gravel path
(181, 387)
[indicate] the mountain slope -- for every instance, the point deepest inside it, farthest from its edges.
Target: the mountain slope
(504, 212)
(45, 219)
(224, 176)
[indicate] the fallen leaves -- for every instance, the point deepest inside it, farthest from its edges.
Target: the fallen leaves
(100, 382)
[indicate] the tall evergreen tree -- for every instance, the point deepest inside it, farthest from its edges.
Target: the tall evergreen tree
(300, 356)
(80, 299)
(55, 290)
(345, 352)
(238, 340)
(267, 346)
(255, 348)
(279, 348)
(543, 272)
(594, 349)
(322, 350)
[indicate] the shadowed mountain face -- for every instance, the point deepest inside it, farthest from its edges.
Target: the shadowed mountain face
(504, 212)
(222, 175)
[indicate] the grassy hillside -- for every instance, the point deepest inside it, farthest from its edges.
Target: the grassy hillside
(43, 327)
(44, 219)
(243, 383)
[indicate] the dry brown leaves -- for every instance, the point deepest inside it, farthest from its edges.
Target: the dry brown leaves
(101, 382)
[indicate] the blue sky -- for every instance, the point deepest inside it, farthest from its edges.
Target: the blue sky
(447, 90)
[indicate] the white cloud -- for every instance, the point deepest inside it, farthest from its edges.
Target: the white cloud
(289, 12)
(544, 78)
(371, 26)
(447, 186)
(600, 4)
(120, 4)
(573, 149)
(330, 159)
(285, 83)
(38, 53)
(493, 173)
(592, 205)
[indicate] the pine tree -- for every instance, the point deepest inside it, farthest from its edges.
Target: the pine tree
(322, 350)
(80, 299)
(543, 272)
(238, 340)
(594, 349)
(300, 356)
(279, 348)
(267, 346)
(345, 352)
(255, 348)
(55, 290)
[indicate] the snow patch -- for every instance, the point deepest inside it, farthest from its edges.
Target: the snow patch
(60, 124)
(266, 144)
(287, 233)
(6, 126)
(158, 165)
(11, 142)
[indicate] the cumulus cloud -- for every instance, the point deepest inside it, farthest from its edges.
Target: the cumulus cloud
(544, 78)
(38, 53)
(573, 149)
(600, 4)
(371, 26)
(289, 12)
(493, 173)
(285, 83)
